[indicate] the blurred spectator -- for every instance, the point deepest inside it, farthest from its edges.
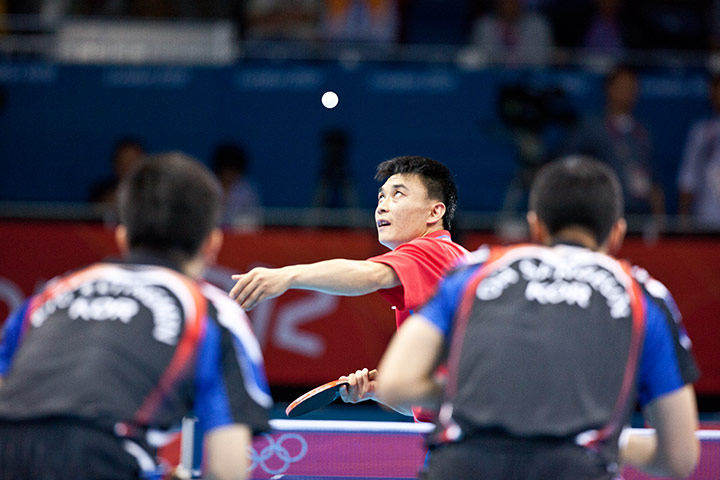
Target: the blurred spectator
(46, 11)
(376, 21)
(158, 9)
(605, 32)
(230, 9)
(668, 24)
(3, 13)
(335, 187)
(620, 140)
(152, 8)
(101, 7)
(699, 175)
(241, 201)
(569, 20)
(161, 8)
(281, 19)
(435, 21)
(714, 28)
(513, 34)
(538, 118)
(126, 153)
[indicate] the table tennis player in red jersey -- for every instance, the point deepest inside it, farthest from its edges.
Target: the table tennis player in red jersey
(416, 204)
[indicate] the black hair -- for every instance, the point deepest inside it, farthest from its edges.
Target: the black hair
(437, 178)
(169, 204)
(577, 191)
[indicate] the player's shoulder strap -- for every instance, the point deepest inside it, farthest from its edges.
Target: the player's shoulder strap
(594, 438)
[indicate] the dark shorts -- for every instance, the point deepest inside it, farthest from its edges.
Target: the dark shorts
(62, 449)
(511, 459)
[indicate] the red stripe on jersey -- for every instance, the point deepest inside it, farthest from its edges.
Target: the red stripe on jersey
(463, 314)
(184, 354)
(638, 332)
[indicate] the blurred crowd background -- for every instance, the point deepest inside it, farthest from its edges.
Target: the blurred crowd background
(603, 24)
(493, 88)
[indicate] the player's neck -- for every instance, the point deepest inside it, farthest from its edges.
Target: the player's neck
(576, 236)
(194, 268)
(431, 230)
(428, 231)
(439, 227)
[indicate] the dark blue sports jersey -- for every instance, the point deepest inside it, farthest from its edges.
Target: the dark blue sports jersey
(132, 348)
(554, 342)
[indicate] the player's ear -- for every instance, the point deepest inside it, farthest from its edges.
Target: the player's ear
(538, 230)
(121, 239)
(437, 212)
(616, 237)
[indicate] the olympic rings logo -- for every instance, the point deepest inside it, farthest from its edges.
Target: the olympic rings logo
(277, 448)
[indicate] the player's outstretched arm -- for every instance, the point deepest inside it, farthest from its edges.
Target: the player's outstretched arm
(674, 450)
(336, 277)
(225, 449)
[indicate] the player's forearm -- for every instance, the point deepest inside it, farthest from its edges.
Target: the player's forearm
(212, 476)
(674, 449)
(402, 409)
(401, 395)
(407, 411)
(222, 445)
(335, 277)
(641, 451)
(342, 277)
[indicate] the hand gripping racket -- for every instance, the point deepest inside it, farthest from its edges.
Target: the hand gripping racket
(318, 397)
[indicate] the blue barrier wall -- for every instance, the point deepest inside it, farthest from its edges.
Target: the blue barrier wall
(59, 121)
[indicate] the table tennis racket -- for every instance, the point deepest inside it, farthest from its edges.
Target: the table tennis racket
(318, 397)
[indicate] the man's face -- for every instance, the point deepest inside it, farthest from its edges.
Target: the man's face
(403, 210)
(623, 92)
(126, 158)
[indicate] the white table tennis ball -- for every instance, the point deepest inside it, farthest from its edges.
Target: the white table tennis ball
(330, 99)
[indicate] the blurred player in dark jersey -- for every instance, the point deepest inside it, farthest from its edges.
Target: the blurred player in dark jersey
(548, 347)
(98, 366)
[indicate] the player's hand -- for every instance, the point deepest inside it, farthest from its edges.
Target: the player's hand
(257, 285)
(361, 386)
(180, 473)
